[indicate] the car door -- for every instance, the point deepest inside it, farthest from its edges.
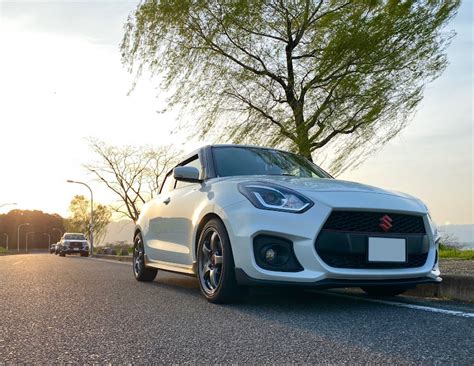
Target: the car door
(170, 228)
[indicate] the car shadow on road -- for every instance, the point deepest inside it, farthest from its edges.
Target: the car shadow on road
(287, 298)
(258, 296)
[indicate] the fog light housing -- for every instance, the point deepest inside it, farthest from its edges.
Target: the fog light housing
(270, 255)
(275, 254)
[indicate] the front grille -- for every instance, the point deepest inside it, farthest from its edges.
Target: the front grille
(369, 222)
(343, 240)
(75, 245)
(359, 261)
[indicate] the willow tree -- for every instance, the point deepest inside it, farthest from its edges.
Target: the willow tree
(300, 74)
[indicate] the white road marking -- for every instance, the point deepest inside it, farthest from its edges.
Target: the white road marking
(462, 314)
(14, 264)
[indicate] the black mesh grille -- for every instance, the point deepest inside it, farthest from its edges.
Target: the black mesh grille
(369, 222)
(359, 261)
(75, 245)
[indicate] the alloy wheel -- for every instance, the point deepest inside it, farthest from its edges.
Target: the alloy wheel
(211, 261)
(138, 256)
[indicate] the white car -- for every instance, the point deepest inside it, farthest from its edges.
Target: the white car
(236, 216)
(73, 243)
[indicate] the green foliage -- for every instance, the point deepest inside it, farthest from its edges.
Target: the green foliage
(40, 224)
(79, 219)
(454, 253)
(116, 249)
(3, 250)
(303, 74)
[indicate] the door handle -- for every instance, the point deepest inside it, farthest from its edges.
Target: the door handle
(167, 200)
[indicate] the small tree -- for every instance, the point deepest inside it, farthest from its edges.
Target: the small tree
(79, 219)
(133, 173)
(301, 74)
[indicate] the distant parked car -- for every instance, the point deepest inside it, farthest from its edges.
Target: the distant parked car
(73, 243)
(110, 251)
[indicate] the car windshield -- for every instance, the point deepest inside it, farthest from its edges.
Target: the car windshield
(74, 237)
(231, 161)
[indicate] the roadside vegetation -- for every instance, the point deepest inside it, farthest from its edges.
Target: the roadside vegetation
(79, 219)
(40, 227)
(2, 250)
(119, 249)
(451, 252)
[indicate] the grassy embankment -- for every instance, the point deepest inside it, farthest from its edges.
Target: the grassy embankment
(449, 252)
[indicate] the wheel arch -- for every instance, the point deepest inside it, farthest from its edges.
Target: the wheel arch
(136, 232)
(204, 220)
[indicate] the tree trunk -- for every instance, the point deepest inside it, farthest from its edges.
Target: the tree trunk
(302, 141)
(304, 150)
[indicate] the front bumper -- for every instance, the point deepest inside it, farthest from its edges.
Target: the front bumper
(78, 251)
(244, 222)
(243, 279)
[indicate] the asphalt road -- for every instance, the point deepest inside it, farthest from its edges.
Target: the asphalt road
(82, 310)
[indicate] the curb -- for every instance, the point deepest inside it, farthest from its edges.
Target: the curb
(454, 287)
(120, 258)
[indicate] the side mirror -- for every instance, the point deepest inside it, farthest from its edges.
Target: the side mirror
(186, 174)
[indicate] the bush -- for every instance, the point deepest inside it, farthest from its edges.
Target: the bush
(121, 250)
(3, 250)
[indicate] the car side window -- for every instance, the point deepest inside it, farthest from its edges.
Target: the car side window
(195, 163)
(168, 184)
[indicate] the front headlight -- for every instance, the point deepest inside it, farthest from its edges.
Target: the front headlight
(269, 196)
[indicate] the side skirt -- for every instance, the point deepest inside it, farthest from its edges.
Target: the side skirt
(172, 267)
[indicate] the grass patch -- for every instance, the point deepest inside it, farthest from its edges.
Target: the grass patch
(447, 252)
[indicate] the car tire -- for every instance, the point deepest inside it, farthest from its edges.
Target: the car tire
(215, 262)
(384, 291)
(140, 271)
(61, 254)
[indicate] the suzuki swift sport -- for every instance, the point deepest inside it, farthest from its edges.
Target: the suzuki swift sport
(236, 216)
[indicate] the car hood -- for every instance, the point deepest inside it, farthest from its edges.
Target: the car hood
(320, 185)
(341, 193)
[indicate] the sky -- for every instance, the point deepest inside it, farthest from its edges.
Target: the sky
(62, 81)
